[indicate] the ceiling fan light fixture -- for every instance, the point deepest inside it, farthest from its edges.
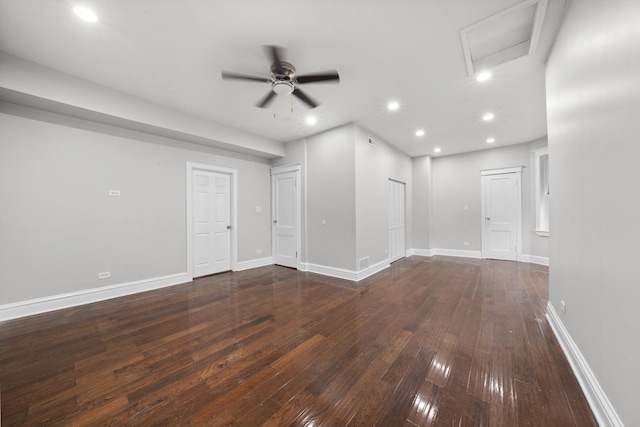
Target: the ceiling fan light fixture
(282, 88)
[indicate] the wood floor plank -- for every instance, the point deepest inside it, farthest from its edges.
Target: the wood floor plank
(428, 341)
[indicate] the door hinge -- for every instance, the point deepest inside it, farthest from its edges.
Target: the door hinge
(296, 254)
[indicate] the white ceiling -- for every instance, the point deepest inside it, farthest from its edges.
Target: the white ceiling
(172, 52)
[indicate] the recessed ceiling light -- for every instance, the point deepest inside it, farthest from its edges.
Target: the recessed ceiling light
(483, 76)
(491, 140)
(393, 105)
(437, 150)
(488, 117)
(311, 120)
(85, 13)
(419, 132)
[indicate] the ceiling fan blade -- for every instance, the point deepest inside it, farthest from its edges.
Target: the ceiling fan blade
(266, 100)
(304, 98)
(227, 75)
(324, 77)
(275, 53)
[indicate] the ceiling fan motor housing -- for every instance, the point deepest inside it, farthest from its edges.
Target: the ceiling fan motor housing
(283, 75)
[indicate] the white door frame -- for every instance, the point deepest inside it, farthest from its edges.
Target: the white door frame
(518, 171)
(191, 167)
(286, 169)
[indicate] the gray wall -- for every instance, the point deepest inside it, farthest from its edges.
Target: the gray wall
(59, 228)
(373, 169)
(28, 83)
(296, 154)
(593, 93)
(456, 183)
(345, 184)
(422, 203)
(330, 198)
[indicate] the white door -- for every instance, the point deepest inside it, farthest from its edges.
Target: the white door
(285, 218)
(212, 222)
(396, 221)
(501, 215)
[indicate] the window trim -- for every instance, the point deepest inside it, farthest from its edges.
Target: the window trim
(538, 154)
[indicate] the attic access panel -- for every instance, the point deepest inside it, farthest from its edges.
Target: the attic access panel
(505, 36)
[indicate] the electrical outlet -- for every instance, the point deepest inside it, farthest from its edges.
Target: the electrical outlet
(467, 243)
(258, 251)
(563, 306)
(104, 275)
(258, 209)
(114, 193)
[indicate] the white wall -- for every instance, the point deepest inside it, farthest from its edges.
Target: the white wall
(593, 92)
(59, 227)
(456, 184)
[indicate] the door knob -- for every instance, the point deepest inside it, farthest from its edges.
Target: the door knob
(275, 221)
(228, 227)
(488, 219)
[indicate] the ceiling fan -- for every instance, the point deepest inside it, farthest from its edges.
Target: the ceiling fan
(284, 80)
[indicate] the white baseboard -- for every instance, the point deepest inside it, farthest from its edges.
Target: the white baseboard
(342, 273)
(457, 253)
(72, 299)
(254, 263)
(534, 259)
(371, 270)
(418, 252)
(531, 259)
(339, 273)
(600, 405)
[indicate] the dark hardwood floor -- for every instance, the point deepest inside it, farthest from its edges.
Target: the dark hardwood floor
(430, 341)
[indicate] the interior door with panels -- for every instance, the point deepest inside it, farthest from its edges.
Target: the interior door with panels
(501, 214)
(285, 216)
(212, 222)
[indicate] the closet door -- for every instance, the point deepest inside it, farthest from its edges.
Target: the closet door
(396, 220)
